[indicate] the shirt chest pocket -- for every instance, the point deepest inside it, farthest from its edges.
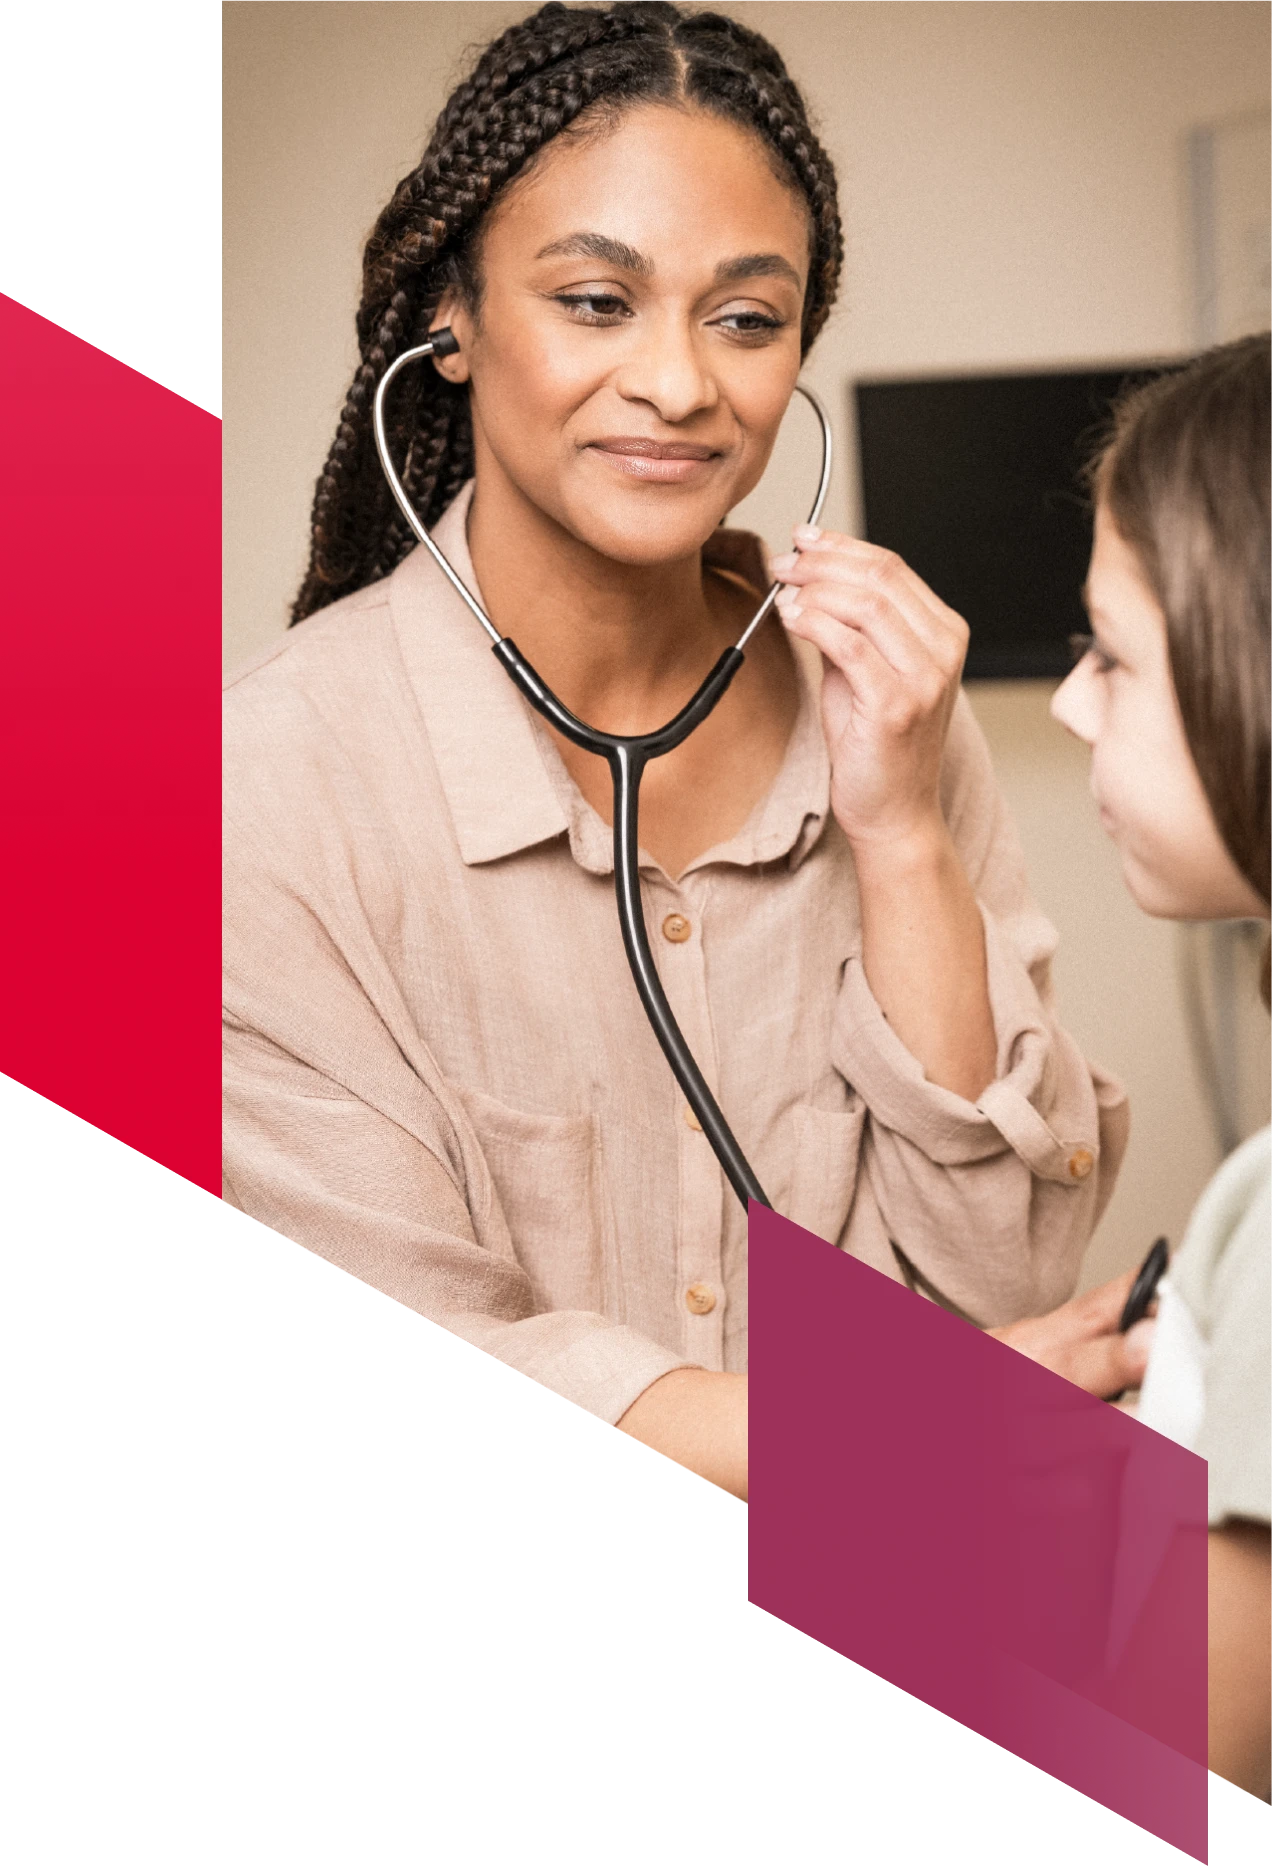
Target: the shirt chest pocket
(824, 1160)
(548, 1175)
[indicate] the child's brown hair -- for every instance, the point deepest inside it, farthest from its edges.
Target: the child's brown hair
(1185, 479)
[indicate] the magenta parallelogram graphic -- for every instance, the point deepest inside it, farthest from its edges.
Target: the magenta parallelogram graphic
(976, 1530)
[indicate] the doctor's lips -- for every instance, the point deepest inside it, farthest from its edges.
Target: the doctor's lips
(669, 463)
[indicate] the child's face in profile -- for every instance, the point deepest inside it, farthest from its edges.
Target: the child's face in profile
(1121, 700)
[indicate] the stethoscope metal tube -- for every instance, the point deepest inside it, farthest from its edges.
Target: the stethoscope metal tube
(626, 757)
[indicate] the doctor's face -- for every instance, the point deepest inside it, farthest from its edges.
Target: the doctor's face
(637, 337)
(1121, 700)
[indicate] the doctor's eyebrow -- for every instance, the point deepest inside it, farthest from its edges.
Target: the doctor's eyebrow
(598, 246)
(757, 266)
(628, 259)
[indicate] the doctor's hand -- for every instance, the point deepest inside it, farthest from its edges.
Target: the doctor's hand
(894, 656)
(1080, 1341)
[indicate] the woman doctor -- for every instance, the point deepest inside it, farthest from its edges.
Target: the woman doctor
(437, 1071)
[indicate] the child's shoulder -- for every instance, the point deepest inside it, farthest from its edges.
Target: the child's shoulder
(1226, 1256)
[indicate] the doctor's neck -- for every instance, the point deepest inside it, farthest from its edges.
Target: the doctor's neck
(602, 630)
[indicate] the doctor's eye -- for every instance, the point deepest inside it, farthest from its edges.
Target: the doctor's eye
(594, 307)
(753, 324)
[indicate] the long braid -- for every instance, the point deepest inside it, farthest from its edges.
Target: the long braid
(528, 85)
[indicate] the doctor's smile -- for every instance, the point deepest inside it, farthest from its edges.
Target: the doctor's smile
(666, 463)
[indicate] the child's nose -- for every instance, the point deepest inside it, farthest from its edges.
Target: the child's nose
(1073, 705)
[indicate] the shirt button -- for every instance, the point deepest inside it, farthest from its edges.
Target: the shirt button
(676, 928)
(691, 1119)
(1081, 1160)
(700, 1299)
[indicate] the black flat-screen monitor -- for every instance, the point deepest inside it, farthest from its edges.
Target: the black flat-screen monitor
(976, 482)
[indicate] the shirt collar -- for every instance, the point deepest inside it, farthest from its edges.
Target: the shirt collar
(505, 783)
(481, 731)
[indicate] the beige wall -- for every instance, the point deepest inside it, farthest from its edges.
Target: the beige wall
(1014, 180)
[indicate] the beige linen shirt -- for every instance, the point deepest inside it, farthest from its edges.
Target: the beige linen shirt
(438, 1074)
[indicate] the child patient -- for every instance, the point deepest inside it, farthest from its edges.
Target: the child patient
(1171, 694)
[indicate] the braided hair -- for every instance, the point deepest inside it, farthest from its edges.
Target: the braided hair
(528, 85)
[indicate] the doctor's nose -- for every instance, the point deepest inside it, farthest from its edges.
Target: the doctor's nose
(667, 372)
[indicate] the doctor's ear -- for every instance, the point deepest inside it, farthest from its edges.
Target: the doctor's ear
(452, 319)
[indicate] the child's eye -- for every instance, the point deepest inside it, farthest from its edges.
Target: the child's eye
(594, 307)
(1080, 646)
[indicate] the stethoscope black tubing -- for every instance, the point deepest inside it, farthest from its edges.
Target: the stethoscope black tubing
(627, 758)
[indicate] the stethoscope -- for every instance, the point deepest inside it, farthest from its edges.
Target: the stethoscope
(627, 758)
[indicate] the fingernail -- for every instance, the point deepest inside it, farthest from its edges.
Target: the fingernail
(807, 534)
(787, 561)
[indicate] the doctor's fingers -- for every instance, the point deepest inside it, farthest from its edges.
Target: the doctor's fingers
(1110, 1363)
(868, 568)
(926, 681)
(901, 628)
(872, 679)
(1099, 1310)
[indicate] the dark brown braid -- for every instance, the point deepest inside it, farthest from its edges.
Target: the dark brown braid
(528, 85)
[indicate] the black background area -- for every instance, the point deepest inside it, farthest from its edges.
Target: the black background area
(976, 482)
(275, 1538)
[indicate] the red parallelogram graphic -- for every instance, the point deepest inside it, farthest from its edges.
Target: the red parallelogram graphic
(110, 745)
(978, 1531)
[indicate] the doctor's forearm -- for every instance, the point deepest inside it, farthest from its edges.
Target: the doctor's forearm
(923, 952)
(700, 1420)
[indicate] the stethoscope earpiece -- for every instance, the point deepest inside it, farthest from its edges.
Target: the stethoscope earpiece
(443, 342)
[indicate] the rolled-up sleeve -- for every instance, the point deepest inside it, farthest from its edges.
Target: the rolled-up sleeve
(994, 1201)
